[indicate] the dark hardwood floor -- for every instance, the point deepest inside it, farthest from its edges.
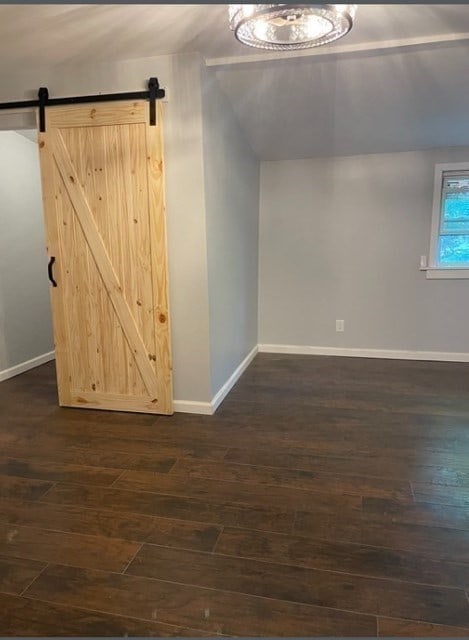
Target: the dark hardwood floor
(327, 497)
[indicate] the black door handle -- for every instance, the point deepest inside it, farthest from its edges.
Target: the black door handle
(49, 271)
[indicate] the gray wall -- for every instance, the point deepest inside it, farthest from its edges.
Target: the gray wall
(184, 188)
(25, 315)
(341, 238)
(231, 177)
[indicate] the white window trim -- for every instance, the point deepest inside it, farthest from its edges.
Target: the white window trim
(446, 273)
(435, 272)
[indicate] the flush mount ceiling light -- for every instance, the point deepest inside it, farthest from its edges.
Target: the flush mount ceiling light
(285, 27)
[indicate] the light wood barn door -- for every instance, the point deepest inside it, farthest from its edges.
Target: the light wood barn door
(102, 175)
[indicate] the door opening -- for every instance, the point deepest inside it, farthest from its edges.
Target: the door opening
(26, 338)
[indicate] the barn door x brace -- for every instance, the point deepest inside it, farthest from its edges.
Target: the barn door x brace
(152, 94)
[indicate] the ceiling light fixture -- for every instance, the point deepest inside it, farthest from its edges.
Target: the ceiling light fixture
(285, 27)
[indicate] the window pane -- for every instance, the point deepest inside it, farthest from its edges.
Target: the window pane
(455, 208)
(454, 250)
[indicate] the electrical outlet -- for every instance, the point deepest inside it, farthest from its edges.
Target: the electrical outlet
(339, 325)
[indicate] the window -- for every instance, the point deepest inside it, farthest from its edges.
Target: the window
(449, 252)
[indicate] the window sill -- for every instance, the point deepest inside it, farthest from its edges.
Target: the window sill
(448, 273)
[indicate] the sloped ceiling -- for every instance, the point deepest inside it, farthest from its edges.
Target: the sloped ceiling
(353, 104)
(397, 82)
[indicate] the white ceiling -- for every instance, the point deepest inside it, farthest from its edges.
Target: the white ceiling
(396, 82)
(67, 33)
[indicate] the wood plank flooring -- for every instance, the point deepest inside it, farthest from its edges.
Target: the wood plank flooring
(327, 497)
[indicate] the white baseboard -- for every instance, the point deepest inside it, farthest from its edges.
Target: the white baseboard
(444, 356)
(233, 379)
(209, 408)
(180, 406)
(26, 366)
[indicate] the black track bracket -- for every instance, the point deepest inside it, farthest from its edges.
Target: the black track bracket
(153, 87)
(43, 96)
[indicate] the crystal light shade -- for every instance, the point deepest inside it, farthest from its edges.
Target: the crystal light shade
(281, 27)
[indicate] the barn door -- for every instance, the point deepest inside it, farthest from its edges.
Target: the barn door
(102, 175)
